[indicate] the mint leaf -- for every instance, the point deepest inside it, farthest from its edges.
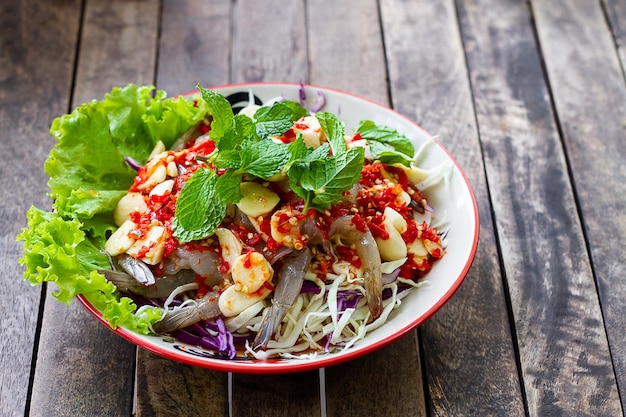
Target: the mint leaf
(228, 187)
(323, 181)
(388, 155)
(230, 148)
(199, 208)
(320, 153)
(244, 127)
(334, 130)
(264, 158)
(386, 142)
(298, 150)
(221, 111)
(274, 120)
(228, 159)
(296, 108)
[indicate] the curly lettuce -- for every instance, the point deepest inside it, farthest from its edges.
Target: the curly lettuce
(88, 176)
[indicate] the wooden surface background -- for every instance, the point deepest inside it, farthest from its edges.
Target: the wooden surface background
(530, 98)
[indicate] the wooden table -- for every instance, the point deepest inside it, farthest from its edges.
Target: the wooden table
(530, 98)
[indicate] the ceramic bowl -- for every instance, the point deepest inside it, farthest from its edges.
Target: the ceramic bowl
(453, 199)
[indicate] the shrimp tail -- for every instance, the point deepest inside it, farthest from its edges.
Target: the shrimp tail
(367, 250)
(137, 269)
(162, 288)
(290, 280)
(123, 281)
(203, 309)
(269, 325)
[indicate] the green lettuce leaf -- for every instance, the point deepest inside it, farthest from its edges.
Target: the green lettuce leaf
(57, 250)
(88, 176)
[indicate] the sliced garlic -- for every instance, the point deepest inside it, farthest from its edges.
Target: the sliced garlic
(285, 228)
(233, 302)
(131, 202)
(311, 131)
(230, 245)
(395, 219)
(162, 188)
(158, 149)
(393, 248)
(120, 241)
(154, 242)
(250, 271)
(157, 173)
(418, 249)
(414, 174)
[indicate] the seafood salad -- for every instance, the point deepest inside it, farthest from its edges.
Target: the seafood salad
(269, 232)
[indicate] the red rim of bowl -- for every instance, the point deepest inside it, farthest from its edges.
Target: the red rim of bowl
(324, 360)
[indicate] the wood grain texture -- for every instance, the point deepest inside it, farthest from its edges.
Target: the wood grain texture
(387, 382)
(194, 46)
(167, 388)
(83, 368)
(564, 357)
(616, 16)
(467, 346)
(116, 39)
(590, 99)
(346, 48)
(31, 95)
(295, 394)
(118, 46)
(269, 42)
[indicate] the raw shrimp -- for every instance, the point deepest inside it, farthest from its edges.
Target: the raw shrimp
(136, 269)
(160, 289)
(367, 250)
(203, 262)
(205, 308)
(290, 279)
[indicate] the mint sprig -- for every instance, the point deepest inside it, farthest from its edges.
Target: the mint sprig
(387, 144)
(244, 148)
(320, 182)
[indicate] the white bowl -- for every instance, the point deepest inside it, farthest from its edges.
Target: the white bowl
(454, 201)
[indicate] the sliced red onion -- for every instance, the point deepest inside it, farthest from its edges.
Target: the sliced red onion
(391, 277)
(319, 103)
(309, 287)
(302, 94)
(328, 339)
(132, 163)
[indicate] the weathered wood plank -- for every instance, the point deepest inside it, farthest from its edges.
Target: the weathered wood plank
(167, 388)
(117, 47)
(346, 48)
(564, 356)
(616, 15)
(387, 382)
(95, 365)
(590, 98)
(194, 44)
(295, 394)
(190, 51)
(31, 95)
(269, 42)
(347, 53)
(467, 346)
